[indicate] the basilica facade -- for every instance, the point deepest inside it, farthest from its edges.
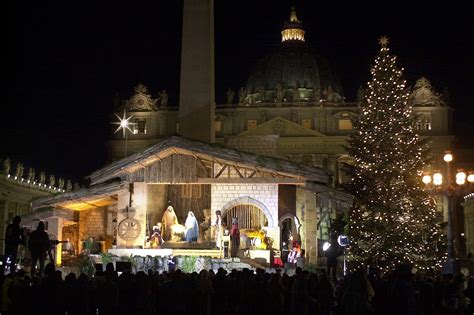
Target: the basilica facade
(275, 159)
(292, 106)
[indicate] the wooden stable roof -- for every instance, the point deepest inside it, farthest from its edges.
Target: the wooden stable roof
(96, 196)
(214, 152)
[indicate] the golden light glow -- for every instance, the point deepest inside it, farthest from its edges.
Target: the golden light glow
(460, 178)
(292, 34)
(448, 157)
(470, 178)
(82, 205)
(437, 179)
(426, 179)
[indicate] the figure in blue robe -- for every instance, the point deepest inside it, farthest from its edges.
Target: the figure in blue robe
(192, 228)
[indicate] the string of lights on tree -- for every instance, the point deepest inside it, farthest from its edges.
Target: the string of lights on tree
(393, 219)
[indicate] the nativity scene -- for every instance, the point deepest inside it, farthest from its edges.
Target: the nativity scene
(184, 197)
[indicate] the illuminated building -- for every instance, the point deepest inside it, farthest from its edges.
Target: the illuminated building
(290, 119)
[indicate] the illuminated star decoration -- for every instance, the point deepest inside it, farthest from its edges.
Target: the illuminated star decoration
(383, 41)
(124, 123)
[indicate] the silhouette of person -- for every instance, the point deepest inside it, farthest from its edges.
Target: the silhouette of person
(13, 238)
(38, 244)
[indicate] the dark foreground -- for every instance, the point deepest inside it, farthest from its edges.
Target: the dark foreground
(239, 292)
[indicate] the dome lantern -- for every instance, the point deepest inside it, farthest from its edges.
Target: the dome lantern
(292, 29)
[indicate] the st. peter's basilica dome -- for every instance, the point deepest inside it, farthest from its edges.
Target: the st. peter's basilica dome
(292, 73)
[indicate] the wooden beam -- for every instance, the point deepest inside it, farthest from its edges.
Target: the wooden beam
(256, 180)
(221, 171)
(238, 172)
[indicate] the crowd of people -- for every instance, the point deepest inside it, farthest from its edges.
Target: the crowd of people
(292, 290)
(237, 292)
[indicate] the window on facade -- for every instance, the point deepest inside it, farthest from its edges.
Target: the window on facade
(423, 122)
(345, 124)
(306, 123)
(251, 124)
(218, 126)
(140, 126)
(420, 125)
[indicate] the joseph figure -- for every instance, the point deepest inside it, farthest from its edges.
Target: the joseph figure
(169, 218)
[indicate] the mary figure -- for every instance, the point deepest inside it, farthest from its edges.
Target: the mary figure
(192, 228)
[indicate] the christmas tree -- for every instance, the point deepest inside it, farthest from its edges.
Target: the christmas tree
(393, 219)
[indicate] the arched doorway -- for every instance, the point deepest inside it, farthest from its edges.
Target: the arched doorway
(255, 222)
(249, 205)
(289, 231)
(249, 217)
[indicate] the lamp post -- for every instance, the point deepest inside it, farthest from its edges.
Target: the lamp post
(449, 189)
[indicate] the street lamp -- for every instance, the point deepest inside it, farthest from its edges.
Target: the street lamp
(448, 188)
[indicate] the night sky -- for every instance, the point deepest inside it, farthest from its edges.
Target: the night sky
(66, 59)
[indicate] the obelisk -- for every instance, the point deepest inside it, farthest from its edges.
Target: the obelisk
(196, 95)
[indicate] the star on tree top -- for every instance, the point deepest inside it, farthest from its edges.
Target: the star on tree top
(383, 41)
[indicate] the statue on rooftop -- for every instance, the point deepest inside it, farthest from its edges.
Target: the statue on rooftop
(52, 180)
(42, 178)
(316, 94)
(6, 166)
(296, 95)
(61, 183)
(261, 94)
(230, 96)
(31, 174)
(19, 170)
(279, 93)
(163, 98)
(329, 94)
(242, 96)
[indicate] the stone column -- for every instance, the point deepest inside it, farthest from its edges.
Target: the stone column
(306, 212)
(323, 121)
(55, 232)
(4, 222)
(197, 95)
